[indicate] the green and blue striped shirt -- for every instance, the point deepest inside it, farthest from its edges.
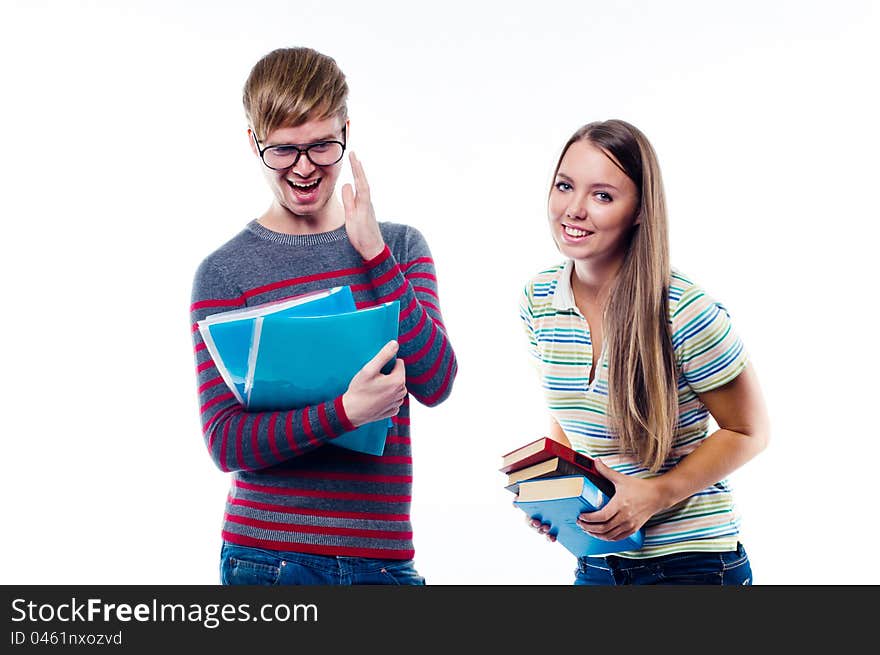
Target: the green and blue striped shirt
(708, 355)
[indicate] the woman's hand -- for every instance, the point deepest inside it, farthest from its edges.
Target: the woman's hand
(360, 219)
(542, 528)
(635, 500)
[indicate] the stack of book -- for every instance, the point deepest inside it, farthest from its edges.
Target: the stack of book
(302, 351)
(554, 484)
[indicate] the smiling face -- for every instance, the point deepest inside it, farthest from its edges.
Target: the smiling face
(304, 191)
(592, 205)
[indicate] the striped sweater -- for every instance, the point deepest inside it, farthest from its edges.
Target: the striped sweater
(291, 489)
(708, 354)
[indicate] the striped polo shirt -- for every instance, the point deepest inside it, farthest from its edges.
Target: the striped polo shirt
(708, 354)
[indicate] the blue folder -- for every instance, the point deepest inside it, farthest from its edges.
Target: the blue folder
(305, 360)
(227, 335)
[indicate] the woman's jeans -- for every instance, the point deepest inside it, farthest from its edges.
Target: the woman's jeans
(242, 565)
(701, 568)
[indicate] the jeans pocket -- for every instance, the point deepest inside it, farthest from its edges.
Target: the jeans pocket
(402, 573)
(691, 569)
(240, 568)
(593, 571)
(737, 570)
(735, 558)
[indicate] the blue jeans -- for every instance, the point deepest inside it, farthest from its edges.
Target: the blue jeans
(700, 568)
(243, 565)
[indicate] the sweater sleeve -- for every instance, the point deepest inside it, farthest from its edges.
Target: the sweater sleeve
(425, 348)
(237, 439)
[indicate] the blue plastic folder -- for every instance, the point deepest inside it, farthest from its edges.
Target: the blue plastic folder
(558, 501)
(227, 335)
(304, 360)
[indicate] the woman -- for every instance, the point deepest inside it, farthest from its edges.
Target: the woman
(634, 357)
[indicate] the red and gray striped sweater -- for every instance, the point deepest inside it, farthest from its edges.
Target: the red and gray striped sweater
(291, 489)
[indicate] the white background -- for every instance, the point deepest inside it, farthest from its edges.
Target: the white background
(125, 162)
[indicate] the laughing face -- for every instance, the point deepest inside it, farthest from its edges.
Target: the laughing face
(304, 191)
(592, 205)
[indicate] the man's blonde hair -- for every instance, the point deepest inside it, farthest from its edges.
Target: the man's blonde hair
(291, 86)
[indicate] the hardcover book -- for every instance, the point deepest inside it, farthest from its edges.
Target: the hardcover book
(544, 449)
(558, 501)
(550, 468)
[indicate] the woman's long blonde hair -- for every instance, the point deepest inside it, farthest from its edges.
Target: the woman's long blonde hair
(642, 387)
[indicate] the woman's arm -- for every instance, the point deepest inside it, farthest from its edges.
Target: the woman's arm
(744, 431)
(557, 434)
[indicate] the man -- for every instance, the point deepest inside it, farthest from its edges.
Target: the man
(301, 510)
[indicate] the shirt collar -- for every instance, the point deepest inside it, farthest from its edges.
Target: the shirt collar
(563, 296)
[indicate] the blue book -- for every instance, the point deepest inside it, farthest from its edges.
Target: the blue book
(558, 501)
(305, 360)
(227, 335)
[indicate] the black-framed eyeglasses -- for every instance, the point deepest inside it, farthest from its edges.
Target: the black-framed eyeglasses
(320, 153)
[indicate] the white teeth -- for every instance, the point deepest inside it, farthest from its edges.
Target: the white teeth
(574, 232)
(306, 187)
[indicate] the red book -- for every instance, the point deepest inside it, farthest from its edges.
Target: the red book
(546, 448)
